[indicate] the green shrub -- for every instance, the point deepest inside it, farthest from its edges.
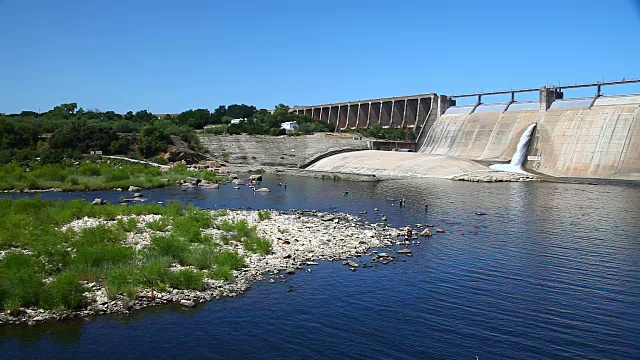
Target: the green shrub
(229, 259)
(101, 234)
(32, 183)
(128, 224)
(264, 215)
(215, 130)
(257, 245)
(173, 208)
(64, 292)
(89, 169)
(102, 255)
(19, 261)
(115, 175)
(121, 281)
(210, 176)
(159, 225)
(201, 257)
(159, 160)
(219, 213)
(221, 273)
(154, 270)
(169, 246)
(225, 263)
(185, 279)
(50, 173)
(19, 288)
(188, 226)
(243, 230)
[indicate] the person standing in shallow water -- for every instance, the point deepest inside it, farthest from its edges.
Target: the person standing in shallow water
(407, 236)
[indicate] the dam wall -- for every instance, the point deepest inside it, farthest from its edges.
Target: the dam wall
(588, 137)
(284, 151)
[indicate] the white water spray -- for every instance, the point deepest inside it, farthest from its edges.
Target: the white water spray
(520, 155)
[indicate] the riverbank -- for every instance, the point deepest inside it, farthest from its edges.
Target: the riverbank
(294, 241)
(112, 174)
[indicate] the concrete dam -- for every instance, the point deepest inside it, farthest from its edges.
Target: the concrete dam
(596, 136)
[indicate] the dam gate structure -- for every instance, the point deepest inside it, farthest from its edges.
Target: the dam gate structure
(596, 136)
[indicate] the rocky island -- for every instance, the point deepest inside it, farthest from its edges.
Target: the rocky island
(263, 244)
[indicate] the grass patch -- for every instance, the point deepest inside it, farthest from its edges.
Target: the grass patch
(169, 246)
(98, 253)
(159, 225)
(185, 279)
(121, 280)
(258, 245)
(63, 293)
(241, 231)
(20, 281)
(201, 257)
(89, 176)
(127, 225)
(264, 215)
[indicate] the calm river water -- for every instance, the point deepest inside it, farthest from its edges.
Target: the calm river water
(551, 271)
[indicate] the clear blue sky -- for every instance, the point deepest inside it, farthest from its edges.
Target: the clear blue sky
(170, 56)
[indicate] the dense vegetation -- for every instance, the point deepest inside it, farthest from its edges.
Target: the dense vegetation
(66, 132)
(263, 122)
(87, 175)
(42, 265)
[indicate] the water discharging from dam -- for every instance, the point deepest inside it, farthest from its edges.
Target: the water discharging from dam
(520, 155)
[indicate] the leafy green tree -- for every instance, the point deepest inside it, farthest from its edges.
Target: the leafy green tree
(152, 141)
(241, 111)
(195, 119)
(143, 116)
(218, 114)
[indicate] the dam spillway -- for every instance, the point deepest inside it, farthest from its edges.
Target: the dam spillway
(597, 136)
(571, 140)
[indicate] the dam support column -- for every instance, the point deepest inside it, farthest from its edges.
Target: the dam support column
(397, 114)
(443, 104)
(363, 115)
(343, 113)
(386, 109)
(352, 117)
(411, 113)
(324, 114)
(548, 96)
(333, 117)
(374, 113)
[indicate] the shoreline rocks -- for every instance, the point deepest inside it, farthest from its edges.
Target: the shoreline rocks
(494, 176)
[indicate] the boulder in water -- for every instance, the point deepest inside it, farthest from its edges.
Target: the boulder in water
(426, 232)
(99, 201)
(187, 303)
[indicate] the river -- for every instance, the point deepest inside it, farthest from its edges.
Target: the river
(546, 271)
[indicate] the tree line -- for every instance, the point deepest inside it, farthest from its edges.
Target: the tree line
(66, 132)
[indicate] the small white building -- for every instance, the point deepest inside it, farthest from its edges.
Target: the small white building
(237, 121)
(289, 126)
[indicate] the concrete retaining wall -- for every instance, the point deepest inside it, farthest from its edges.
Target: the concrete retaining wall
(602, 141)
(285, 151)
